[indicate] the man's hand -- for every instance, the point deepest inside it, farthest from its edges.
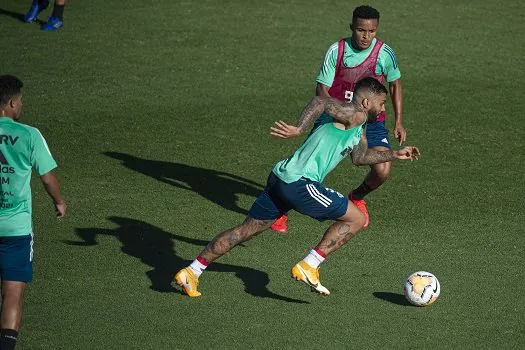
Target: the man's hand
(60, 209)
(408, 153)
(284, 131)
(400, 134)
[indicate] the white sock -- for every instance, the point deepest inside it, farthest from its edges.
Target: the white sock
(314, 259)
(197, 267)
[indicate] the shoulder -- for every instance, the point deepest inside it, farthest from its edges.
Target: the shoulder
(332, 50)
(24, 129)
(387, 50)
(387, 56)
(31, 130)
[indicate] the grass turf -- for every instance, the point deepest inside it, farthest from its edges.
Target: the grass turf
(158, 114)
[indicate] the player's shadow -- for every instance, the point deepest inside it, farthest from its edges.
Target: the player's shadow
(155, 247)
(219, 187)
(16, 15)
(394, 298)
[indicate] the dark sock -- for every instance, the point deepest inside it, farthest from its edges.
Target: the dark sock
(361, 191)
(58, 11)
(8, 338)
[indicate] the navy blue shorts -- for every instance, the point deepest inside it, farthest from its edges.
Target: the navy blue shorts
(304, 196)
(16, 258)
(377, 135)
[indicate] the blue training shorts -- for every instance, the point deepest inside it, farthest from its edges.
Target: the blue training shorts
(377, 135)
(16, 258)
(305, 196)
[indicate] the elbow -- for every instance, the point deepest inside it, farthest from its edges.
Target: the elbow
(358, 161)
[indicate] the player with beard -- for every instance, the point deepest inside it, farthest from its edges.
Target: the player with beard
(296, 182)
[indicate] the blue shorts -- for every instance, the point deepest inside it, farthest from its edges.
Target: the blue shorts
(307, 197)
(377, 135)
(16, 258)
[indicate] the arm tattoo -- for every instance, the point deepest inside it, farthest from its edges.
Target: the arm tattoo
(345, 113)
(342, 112)
(311, 112)
(362, 155)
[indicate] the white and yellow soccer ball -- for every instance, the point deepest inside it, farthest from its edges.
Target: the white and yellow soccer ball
(421, 288)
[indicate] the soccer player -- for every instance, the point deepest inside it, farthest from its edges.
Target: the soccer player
(55, 21)
(22, 148)
(295, 182)
(346, 62)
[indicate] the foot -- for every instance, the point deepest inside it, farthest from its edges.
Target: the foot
(188, 281)
(34, 10)
(361, 205)
(305, 273)
(280, 225)
(53, 23)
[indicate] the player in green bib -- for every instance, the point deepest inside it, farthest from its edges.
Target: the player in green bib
(22, 149)
(295, 183)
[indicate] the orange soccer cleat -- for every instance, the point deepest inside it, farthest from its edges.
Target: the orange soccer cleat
(280, 224)
(361, 205)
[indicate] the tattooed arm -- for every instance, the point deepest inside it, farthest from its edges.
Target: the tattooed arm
(362, 155)
(344, 113)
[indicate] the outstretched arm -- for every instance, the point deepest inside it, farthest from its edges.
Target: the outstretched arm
(362, 155)
(342, 112)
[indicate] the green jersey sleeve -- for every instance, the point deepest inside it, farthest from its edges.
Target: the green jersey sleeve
(327, 72)
(41, 159)
(388, 63)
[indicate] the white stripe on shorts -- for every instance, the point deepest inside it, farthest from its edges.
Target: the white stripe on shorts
(31, 247)
(315, 194)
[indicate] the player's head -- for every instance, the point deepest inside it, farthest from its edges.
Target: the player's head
(10, 96)
(365, 20)
(370, 95)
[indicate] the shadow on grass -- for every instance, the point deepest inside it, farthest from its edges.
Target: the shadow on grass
(155, 247)
(219, 187)
(394, 298)
(16, 15)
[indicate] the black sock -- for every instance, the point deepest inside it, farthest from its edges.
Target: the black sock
(361, 191)
(8, 338)
(58, 11)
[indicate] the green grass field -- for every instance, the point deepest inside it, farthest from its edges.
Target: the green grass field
(158, 114)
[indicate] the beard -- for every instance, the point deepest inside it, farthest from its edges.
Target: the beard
(372, 114)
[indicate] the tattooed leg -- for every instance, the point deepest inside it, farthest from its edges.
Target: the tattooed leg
(225, 241)
(342, 230)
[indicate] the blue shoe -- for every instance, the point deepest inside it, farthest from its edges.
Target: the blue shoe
(34, 10)
(53, 23)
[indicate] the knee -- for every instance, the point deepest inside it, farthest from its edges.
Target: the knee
(382, 171)
(359, 221)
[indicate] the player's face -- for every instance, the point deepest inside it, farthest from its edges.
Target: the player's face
(376, 105)
(363, 32)
(16, 106)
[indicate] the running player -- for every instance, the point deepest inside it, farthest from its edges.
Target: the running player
(22, 148)
(295, 182)
(346, 62)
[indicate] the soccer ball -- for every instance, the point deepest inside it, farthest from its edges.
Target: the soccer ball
(421, 288)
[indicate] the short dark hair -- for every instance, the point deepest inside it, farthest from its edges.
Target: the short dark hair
(10, 86)
(365, 12)
(370, 85)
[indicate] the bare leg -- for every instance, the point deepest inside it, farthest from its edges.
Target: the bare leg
(12, 300)
(378, 173)
(225, 241)
(344, 229)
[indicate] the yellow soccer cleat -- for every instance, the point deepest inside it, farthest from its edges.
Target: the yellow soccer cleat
(188, 281)
(305, 273)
